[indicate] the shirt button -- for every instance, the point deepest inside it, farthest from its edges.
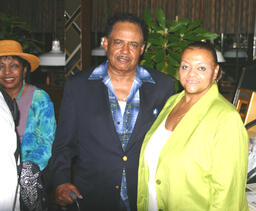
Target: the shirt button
(158, 182)
(125, 158)
(116, 187)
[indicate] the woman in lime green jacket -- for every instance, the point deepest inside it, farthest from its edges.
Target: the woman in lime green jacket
(195, 155)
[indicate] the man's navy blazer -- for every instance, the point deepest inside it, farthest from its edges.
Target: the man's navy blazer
(86, 131)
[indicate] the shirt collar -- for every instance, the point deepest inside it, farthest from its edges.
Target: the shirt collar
(101, 73)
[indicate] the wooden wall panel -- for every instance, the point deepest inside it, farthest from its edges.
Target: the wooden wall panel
(220, 16)
(39, 14)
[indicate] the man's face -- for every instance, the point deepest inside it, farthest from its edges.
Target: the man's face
(124, 47)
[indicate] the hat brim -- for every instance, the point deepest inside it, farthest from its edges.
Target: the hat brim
(34, 61)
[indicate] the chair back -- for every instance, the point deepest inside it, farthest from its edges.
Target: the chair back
(245, 94)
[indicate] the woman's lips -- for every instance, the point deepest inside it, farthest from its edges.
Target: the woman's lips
(192, 82)
(9, 80)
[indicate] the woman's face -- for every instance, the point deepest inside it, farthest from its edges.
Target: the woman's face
(198, 71)
(12, 73)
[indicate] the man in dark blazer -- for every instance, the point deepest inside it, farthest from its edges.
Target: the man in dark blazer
(104, 115)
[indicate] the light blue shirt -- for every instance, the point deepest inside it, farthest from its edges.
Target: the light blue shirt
(125, 123)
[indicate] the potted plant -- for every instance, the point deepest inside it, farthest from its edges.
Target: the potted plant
(167, 39)
(12, 28)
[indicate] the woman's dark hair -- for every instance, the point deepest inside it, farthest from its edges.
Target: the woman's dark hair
(203, 45)
(126, 17)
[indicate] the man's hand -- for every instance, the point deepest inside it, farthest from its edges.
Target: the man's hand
(62, 194)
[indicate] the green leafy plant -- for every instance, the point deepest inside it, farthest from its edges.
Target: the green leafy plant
(167, 39)
(12, 28)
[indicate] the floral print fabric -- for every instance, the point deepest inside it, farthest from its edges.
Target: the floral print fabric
(36, 144)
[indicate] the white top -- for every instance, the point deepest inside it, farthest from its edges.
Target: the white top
(8, 145)
(122, 105)
(152, 153)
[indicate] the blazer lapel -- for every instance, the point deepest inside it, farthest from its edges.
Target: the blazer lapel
(100, 91)
(170, 104)
(182, 133)
(145, 116)
(189, 122)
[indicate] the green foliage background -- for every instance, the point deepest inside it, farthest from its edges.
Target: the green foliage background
(12, 28)
(167, 39)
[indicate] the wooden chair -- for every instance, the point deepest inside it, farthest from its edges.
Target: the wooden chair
(246, 105)
(251, 177)
(245, 94)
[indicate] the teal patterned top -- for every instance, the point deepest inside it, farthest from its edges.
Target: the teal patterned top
(36, 144)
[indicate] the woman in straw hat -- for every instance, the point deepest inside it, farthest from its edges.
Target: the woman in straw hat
(36, 126)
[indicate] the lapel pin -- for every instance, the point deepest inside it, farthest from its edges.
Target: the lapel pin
(155, 112)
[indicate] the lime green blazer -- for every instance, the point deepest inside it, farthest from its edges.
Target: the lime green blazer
(203, 165)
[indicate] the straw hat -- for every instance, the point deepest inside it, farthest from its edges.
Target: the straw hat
(14, 48)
